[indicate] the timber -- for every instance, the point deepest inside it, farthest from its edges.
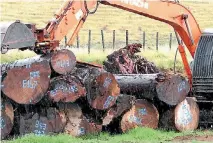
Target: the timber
(66, 89)
(7, 118)
(187, 115)
(142, 114)
(30, 80)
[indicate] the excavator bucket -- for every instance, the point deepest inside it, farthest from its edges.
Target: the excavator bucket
(15, 35)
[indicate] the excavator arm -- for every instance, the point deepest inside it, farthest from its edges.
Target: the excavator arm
(73, 14)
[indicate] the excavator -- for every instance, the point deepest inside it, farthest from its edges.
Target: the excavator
(72, 15)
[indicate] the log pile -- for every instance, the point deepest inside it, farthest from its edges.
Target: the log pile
(55, 93)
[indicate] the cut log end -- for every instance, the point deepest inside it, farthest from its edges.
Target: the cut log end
(6, 119)
(66, 90)
(104, 92)
(187, 115)
(173, 90)
(63, 61)
(142, 114)
(29, 84)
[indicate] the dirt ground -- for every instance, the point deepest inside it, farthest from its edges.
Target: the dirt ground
(189, 138)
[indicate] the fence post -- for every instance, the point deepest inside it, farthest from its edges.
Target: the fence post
(127, 37)
(77, 39)
(113, 40)
(144, 40)
(157, 40)
(102, 35)
(89, 41)
(170, 41)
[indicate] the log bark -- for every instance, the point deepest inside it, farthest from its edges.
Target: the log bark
(102, 88)
(187, 115)
(123, 104)
(167, 120)
(78, 124)
(6, 119)
(171, 89)
(63, 61)
(66, 89)
(53, 122)
(26, 81)
(142, 114)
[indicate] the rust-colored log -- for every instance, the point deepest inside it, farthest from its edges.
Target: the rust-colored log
(77, 123)
(26, 82)
(81, 64)
(142, 114)
(187, 115)
(66, 89)
(6, 119)
(63, 61)
(102, 87)
(123, 104)
(171, 89)
(53, 122)
(167, 120)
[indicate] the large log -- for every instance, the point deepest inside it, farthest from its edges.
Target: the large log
(66, 89)
(78, 124)
(26, 81)
(6, 119)
(53, 122)
(102, 87)
(187, 115)
(171, 89)
(142, 114)
(63, 61)
(123, 104)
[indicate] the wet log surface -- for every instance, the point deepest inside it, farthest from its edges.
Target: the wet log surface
(124, 61)
(6, 119)
(187, 115)
(66, 89)
(40, 124)
(29, 82)
(77, 123)
(63, 61)
(142, 114)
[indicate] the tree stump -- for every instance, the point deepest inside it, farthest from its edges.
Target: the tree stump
(66, 89)
(142, 114)
(63, 61)
(26, 83)
(77, 124)
(123, 104)
(53, 122)
(173, 90)
(6, 119)
(187, 115)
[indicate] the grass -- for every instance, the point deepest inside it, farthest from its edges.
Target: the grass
(137, 135)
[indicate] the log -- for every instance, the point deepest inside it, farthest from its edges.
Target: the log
(102, 88)
(39, 124)
(66, 89)
(187, 115)
(167, 120)
(171, 89)
(26, 81)
(123, 104)
(78, 124)
(142, 114)
(63, 61)
(6, 119)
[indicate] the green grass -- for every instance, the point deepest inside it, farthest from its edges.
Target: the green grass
(137, 135)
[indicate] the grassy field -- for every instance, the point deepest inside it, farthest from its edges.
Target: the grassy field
(138, 135)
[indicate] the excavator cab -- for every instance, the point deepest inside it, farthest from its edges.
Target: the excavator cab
(15, 35)
(203, 66)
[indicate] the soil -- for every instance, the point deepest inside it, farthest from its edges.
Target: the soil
(189, 138)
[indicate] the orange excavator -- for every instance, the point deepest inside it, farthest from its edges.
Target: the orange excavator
(74, 13)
